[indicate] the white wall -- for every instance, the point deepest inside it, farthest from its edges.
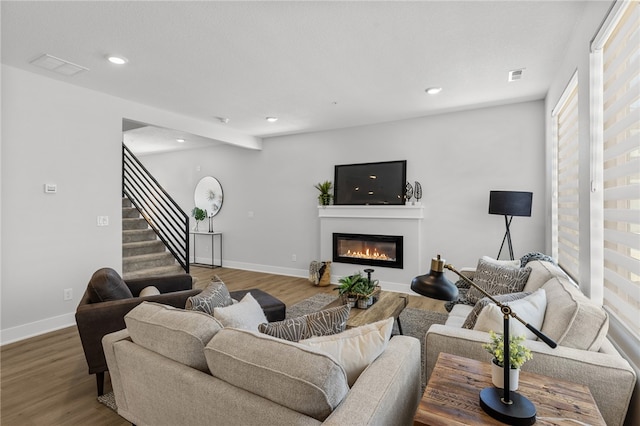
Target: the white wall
(53, 132)
(457, 157)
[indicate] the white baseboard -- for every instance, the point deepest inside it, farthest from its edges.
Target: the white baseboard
(36, 328)
(278, 270)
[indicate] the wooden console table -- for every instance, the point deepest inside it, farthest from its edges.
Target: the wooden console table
(452, 396)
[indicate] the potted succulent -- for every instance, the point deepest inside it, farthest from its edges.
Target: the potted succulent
(325, 196)
(518, 355)
(345, 288)
(199, 215)
(363, 289)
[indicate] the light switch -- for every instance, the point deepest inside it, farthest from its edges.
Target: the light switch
(50, 188)
(103, 220)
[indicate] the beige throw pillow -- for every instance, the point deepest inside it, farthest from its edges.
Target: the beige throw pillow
(355, 348)
(471, 319)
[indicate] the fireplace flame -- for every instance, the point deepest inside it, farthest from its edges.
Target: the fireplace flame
(368, 254)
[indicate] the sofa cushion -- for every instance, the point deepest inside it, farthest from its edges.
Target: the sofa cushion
(175, 333)
(572, 319)
(511, 263)
(541, 272)
(215, 295)
(246, 314)
(471, 319)
(296, 376)
(497, 279)
(106, 284)
(530, 308)
(355, 348)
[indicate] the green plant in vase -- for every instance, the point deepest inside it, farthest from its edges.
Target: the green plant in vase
(199, 215)
(518, 355)
(325, 196)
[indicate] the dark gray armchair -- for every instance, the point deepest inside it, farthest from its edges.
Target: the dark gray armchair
(108, 299)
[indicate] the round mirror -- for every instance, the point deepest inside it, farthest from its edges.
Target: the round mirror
(208, 195)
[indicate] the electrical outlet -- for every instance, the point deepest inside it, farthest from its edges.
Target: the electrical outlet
(294, 258)
(68, 294)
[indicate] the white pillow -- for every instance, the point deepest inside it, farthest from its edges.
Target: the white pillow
(531, 309)
(149, 291)
(246, 314)
(514, 263)
(355, 348)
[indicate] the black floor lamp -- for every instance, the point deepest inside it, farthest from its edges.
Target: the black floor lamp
(509, 204)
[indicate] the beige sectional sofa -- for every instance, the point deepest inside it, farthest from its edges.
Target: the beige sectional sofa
(172, 366)
(584, 355)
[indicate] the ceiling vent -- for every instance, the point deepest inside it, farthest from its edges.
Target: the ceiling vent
(515, 75)
(58, 65)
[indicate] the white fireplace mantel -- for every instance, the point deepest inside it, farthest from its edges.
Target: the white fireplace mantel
(372, 212)
(403, 220)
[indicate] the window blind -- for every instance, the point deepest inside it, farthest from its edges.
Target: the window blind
(621, 168)
(567, 203)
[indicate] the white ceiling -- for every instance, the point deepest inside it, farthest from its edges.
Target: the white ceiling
(314, 65)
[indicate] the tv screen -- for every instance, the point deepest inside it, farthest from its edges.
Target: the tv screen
(370, 183)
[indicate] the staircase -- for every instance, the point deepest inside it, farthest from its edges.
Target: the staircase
(143, 254)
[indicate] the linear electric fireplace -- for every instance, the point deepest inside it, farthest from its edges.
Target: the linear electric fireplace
(370, 250)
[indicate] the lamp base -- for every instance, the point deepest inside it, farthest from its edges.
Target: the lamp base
(520, 412)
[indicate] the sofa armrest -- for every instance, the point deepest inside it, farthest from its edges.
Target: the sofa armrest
(108, 342)
(388, 391)
(609, 376)
(164, 284)
(94, 320)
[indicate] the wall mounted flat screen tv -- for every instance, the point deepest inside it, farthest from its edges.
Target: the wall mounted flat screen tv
(370, 183)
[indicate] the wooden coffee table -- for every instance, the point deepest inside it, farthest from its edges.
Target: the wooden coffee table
(452, 396)
(389, 304)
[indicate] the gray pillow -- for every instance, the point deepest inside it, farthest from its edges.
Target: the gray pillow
(497, 279)
(216, 295)
(502, 298)
(106, 284)
(322, 323)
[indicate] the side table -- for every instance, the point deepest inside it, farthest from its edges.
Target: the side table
(453, 392)
(213, 236)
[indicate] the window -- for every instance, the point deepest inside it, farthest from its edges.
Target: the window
(566, 244)
(619, 47)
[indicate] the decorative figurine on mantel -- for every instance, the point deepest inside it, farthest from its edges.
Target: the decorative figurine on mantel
(408, 194)
(417, 193)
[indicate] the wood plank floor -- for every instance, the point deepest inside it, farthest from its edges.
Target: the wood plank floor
(44, 379)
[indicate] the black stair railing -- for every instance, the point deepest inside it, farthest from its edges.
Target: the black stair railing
(156, 206)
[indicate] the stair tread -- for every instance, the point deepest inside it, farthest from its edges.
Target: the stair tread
(157, 271)
(149, 256)
(142, 243)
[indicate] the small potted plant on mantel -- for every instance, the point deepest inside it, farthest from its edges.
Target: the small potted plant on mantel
(325, 196)
(518, 355)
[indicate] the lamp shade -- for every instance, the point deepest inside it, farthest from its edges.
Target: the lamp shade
(435, 284)
(510, 203)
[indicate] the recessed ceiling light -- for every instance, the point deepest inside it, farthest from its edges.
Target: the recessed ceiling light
(433, 90)
(180, 140)
(271, 119)
(118, 60)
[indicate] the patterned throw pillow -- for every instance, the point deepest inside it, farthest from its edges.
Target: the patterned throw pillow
(292, 329)
(502, 298)
(322, 323)
(216, 295)
(496, 279)
(329, 321)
